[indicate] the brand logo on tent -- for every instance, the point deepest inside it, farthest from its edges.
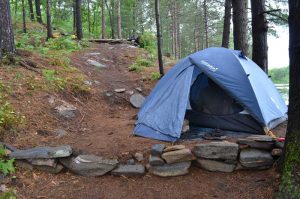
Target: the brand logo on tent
(209, 66)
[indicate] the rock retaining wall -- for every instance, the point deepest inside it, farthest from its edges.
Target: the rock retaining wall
(254, 152)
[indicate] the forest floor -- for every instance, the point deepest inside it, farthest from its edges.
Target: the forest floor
(103, 126)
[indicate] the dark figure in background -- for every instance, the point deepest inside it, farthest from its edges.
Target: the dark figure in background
(135, 39)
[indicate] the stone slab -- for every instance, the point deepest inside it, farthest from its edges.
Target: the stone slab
(213, 165)
(129, 170)
(169, 170)
(255, 158)
(182, 155)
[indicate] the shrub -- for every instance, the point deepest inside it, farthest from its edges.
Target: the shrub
(148, 42)
(155, 75)
(6, 166)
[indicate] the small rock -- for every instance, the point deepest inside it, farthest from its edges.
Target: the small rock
(95, 63)
(137, 100)
(131, 161)
(93, 54)
(43, 132)
(88, 83)
(66, 110)
(89, 165)
(130, 92)
(213, 165)
(168, 170)
(139, 157)
(108, 94)
(277, 152)
(139, 89)
(217, 150)
(157, 149)
(256, 144)
(129, 170)
(43, 162)
(60, 132)
(54, 170)
(51, 99)
(156, 161)
(42, 152)
(261, 138)
(279, 144)
(120, 90)
(96, 82)
(182, 155)
(255, 158)
(174, 148)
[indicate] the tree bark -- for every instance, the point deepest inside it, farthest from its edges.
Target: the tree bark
(31, 10)
(259, 34)
(205, 23)
(159, 51)
(7, 44)
(103, 19)
(38, 11)
(49, 25)
(290, 185)
(89, 16)
(74, 16)
(240, 24)
(24, 16)
(119, 19)
(79, 33)
(226, 27)
(111, 18)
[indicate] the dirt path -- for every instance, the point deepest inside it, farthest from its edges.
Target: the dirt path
(104, 127)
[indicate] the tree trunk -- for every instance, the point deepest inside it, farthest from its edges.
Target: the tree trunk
(24, 16)
(89, 16)
(111, 18)
(226, 27)
(290, 183)
(74, 16)
(119, 19)
(240, 24)
(103, 19)
(49, 25)
(38, 11)
(259, 34)
(7, 44)
(205, 23)
(79, 33)
(31, 10)
(159, 52)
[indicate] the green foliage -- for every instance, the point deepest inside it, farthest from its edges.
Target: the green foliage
(148, 42)
(10, 194)
(155, 75)
(140, 63)
(280, 75)
(6, 166)
(52, 77)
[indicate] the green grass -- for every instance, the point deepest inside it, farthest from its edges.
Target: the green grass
(155, 75)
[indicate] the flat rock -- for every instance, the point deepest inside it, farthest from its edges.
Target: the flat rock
(43, 162)
(139, 157)
(255, 158)
(131, 161)
(168, 170)
(95, 63)
(157, 149)
(120, 90)
(213, 165)
(54, 170)
(137, 100)
(139, 89)
(66, 110)
(89, 165)
(276, 152)
(129, 170)
(260, 138)
(217, 150)
(256, 144)
(182, 155)
(174, 148)
(156, 161)
(42, 152)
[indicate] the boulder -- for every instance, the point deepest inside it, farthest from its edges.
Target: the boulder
(168, 170)
(89, 165)
(256, 144)
(213, 165)
(255, 158)
(217, 150)
(182, 155)
(42, 152)
(156, 161)
(174, 148)
(157, 149)
(129, 170)
(137, 100)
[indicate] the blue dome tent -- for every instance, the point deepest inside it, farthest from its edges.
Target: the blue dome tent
(215, 88)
